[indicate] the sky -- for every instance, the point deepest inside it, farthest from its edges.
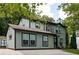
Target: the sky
(52, 11)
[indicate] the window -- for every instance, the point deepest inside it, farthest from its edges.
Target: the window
(56, 31)
(59, 30)
(25, 40)
(28, 40)
(32, 40)
(45, 41)
(38, 25)
(10, 36)
(61, 43)
(47, 28)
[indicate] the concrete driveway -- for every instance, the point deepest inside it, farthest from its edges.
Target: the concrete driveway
(34, 52)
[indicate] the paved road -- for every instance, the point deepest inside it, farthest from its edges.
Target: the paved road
(33, 52)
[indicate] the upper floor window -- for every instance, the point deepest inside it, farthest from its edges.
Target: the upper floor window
(48, 28)
(56, 31)
(37, 25)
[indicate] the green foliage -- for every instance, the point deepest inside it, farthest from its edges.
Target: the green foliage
(12, 13)
(73, 41)
(47, 19)
(72, 20)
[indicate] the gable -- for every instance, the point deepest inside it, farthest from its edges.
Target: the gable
(24, 22)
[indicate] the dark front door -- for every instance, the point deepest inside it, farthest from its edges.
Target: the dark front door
(55, 42)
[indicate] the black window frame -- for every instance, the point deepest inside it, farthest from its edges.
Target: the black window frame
(39, 26)
(29, 44)
(31, 40)
(22, 40)
(43, 41)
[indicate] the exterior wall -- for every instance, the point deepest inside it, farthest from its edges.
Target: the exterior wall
(10, 42)
(39, 40)
(18, 39)
(62, 35)
(31, 24)
(51, 41)
(42, 26)
(24, 22)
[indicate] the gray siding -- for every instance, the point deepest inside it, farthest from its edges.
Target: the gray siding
(63, 36)
(51, 41)
(24, 22)
(10, 42)
(18, 39)
(39, 41)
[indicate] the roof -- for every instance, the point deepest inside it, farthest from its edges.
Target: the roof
(47, 22)
(57, 24)
(19, 27)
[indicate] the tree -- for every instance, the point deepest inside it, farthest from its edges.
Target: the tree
(47, 18)
(59, 20)
(73, 41)
(12, 13)
(72, 19)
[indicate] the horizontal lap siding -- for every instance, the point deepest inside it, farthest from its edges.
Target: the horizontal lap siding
(10, 42)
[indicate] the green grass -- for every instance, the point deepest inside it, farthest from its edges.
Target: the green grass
(75, 51)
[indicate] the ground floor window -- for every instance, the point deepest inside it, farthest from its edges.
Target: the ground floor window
(32, 40)
(28, 40)
(45, 41)
(61, 43)
(25, 40)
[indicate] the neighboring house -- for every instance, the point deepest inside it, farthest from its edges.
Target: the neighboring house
(77, 38)
(3, 41)
(33, 34)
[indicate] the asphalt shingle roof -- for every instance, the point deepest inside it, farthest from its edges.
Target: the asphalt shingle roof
(19, 27)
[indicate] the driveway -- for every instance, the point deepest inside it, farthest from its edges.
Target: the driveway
(33, 52)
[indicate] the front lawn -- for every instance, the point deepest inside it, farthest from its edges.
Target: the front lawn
(75, 51)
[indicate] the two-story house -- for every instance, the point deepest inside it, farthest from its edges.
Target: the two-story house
(30, 34)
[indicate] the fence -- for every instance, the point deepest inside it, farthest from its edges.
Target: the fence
(3, 43)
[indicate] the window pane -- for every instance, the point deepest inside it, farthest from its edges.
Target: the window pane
(37, 25)
(45, 41)
(32, 37)
(25, 40)
(25, 36)
(45, 38)
(32, 40)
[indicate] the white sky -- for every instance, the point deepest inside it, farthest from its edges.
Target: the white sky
(46, 10)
